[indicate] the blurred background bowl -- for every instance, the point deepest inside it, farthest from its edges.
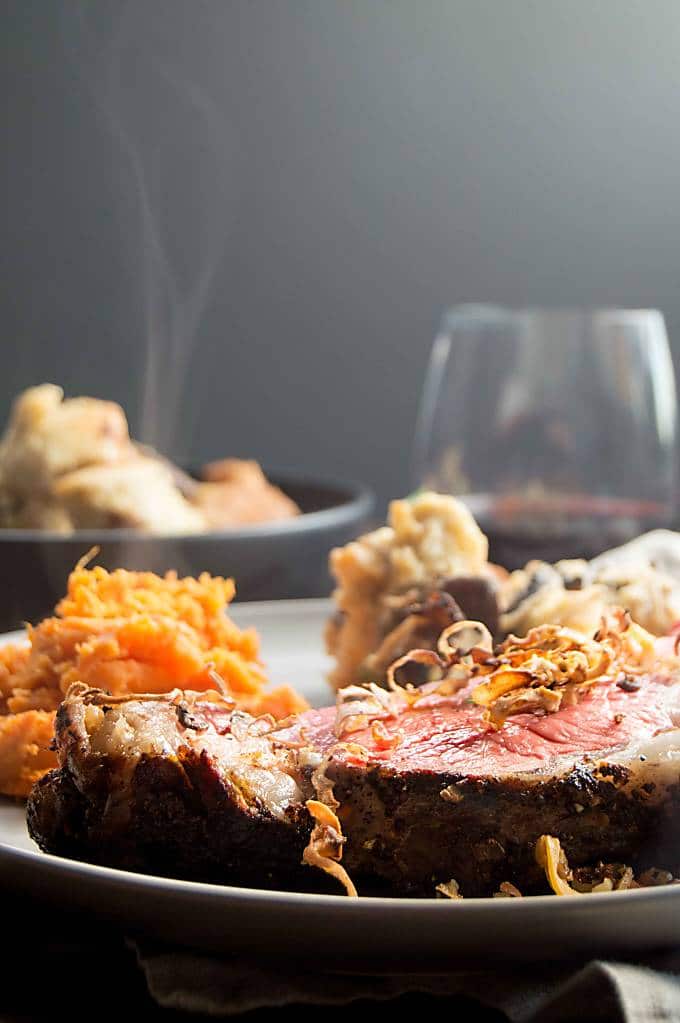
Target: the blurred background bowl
(268, 561)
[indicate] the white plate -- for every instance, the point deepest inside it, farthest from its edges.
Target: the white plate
(368, 934)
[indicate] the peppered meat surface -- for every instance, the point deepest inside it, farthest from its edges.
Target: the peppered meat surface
(192, 789)
(158, 787)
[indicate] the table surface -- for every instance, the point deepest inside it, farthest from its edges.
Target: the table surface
(56, 962)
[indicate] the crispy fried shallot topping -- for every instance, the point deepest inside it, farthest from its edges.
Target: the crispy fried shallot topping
(654, 877)
(552, 665)
(449, 890)
(550, 856)
(463, 637)
(323, 786)
(427, 657)
(383, 739)
(549, 668)
(188, 697)
(627, 880)
(506, 890)
(356, 753)
(603, 877)
(358, 706)
(324, 849)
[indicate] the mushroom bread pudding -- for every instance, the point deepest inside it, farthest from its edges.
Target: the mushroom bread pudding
(547, 762)
(399, 586)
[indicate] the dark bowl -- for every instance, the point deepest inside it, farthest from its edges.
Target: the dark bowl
(268, 562)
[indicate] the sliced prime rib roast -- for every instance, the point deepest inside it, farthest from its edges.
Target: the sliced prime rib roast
(424, 789)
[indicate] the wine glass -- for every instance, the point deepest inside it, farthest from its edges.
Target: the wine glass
(556, 426)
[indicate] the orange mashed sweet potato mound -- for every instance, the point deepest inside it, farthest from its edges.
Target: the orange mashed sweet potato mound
(125, 632)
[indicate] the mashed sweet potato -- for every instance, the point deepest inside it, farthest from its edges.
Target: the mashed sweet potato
(125, 632)
(25, 753)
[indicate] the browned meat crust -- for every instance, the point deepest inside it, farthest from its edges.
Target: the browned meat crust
(176, 813)
(183, 822)
(402, 833)
(194, 790)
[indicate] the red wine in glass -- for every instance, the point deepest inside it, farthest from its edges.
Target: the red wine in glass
(557, 426)
(573, 526)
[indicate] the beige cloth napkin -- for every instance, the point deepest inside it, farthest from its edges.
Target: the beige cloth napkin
(542, 993)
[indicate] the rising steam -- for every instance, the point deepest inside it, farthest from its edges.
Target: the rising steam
(172, 144)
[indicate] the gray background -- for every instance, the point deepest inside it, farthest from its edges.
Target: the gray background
(344, 169)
